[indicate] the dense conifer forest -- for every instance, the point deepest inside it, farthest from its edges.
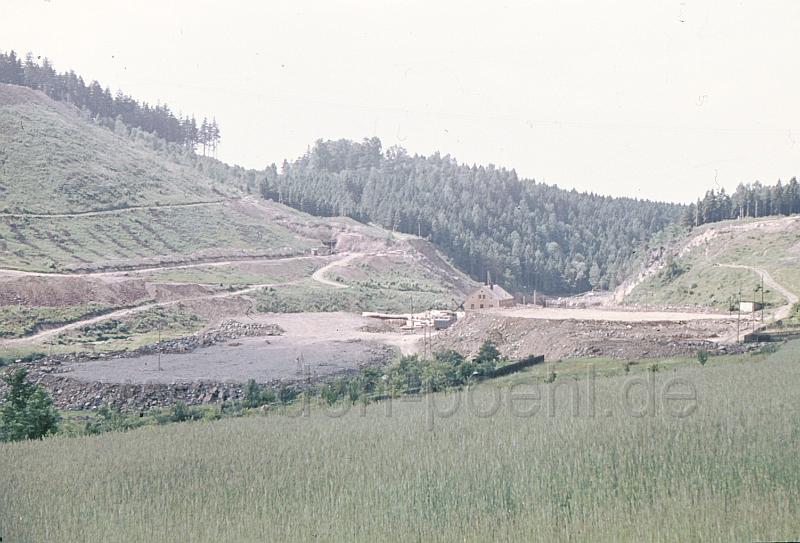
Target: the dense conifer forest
(749, 200)
(526, 234)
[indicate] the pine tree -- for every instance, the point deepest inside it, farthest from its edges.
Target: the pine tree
(203, 135)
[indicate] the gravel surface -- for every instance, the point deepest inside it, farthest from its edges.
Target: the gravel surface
(250, 358)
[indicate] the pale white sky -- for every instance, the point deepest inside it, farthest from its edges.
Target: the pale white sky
(657, 100)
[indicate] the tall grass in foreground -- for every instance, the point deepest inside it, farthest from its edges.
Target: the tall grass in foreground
(729, 471)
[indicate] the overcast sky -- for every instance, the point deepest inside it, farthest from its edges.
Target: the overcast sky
(659, 100)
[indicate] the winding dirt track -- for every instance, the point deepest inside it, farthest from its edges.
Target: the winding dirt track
(44, 334)
(110, 211)
(318, 276)
(791, 298)
(199, 263)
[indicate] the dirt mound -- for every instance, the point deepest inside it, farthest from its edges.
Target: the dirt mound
(556, 339)
(70, 291)
(164, 292)
(218, 309)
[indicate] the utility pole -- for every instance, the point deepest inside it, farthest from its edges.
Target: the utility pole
(762, 298)
(738, 314)
(159, 349)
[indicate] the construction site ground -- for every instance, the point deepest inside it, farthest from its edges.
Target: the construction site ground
(313, 345)
(326, 343)
(563, 333)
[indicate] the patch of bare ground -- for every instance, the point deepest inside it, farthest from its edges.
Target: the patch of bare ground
(69, 291)
(264, 360)
(311, 346)
(517, 337)
(218, 309)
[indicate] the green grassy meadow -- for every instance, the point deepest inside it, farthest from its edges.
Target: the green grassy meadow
(417, 469)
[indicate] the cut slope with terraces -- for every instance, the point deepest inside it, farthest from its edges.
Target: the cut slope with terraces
(99, 223)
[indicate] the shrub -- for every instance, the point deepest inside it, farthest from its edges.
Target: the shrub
(111, 419)
(287, 393)
(702, 357)
(768, 348)
(256, 395)
(268, 396)
(330, 394)
(487, 358)
(27, 411)
(182, 413)
(353, 391)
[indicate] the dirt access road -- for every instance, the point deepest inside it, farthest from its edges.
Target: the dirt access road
(600, 314)
(319, 276)
(111, 211)
(199, 263)
(791, 298)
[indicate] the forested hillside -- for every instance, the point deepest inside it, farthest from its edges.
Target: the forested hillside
(750, 200)
(527, 234)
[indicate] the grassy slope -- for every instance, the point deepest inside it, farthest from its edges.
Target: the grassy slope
(54, 161)
(18, 321)
(308, 295)
(237, 275)
(729, 471)
(127, 237)
(702, 282)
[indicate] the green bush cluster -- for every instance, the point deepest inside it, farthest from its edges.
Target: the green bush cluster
(413, 374)
(158, 318)
(256, 395)
(110, 419)
(27, 410)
